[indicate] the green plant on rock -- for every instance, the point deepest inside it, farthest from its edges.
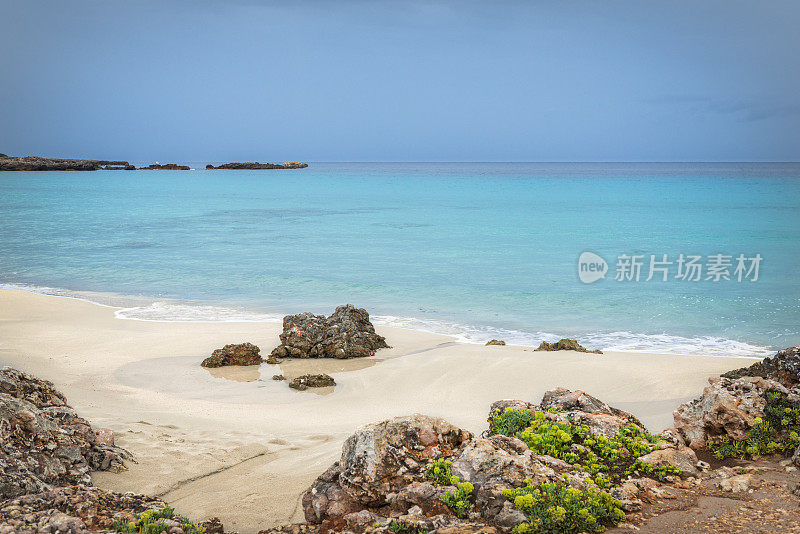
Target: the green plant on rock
(459, 501)
(553, 507)
(657, 472)
(153, 522)
(777, 431)
(605, 459)
(440, 471)
(402, 528)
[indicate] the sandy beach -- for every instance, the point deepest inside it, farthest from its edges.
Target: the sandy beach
(239, 445)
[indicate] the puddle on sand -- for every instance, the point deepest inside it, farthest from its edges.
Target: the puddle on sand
(252, 384)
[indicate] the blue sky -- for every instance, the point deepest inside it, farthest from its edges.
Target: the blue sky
(402, 81)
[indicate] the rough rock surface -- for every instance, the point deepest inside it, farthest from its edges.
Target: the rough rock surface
(257, 166)
(43, 442)
(72, 509)
(495, 342)
(726, 407)
(36, 163)
(311, 381)
(587, 410)
(566, 344)
(347, 333)
(234, 354)
(682, 458)
(783, 367)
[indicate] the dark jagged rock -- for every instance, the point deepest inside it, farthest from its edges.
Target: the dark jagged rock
(278, 377)
(783, 367)
(36, 163)
(498, 342)
(43, 442)
(347, 333)
(234, 354)
(258, 166)
(72, 509)
(311, 381)
(566, 344)
(165, 167)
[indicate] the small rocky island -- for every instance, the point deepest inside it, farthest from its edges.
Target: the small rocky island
(258, 166)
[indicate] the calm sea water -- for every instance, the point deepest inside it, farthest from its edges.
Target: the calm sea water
(477, 250)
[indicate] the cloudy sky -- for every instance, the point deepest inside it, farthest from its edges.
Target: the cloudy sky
(365, 80)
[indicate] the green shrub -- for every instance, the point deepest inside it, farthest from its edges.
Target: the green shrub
(459, 501)
(553, 507)
(440, 471)
(657, 472)
(605, 459)
(152, 522)
(402, 528)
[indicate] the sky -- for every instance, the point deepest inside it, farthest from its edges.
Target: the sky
(368, 80)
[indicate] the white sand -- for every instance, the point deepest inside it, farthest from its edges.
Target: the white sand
(245, 449)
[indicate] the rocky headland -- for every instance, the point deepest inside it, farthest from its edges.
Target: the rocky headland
(36, 163)
(259, 166)
(165, 167)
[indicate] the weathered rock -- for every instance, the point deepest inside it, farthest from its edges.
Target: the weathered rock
(796, 457)
(72, 509)
(495, 342)
(326, 498)
(36, 163)
(682, 458)
(381, 458)
(43, 442)
(585, 409)
(311, 381)
(347, 333)
(496, 463)
(738, 483)
(783, 367)
(234, 354)
(259, 166)
(278, 377)
(566, 344)
(726, 407)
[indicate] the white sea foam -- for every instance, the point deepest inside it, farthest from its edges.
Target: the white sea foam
(621, 341)
(166, 312)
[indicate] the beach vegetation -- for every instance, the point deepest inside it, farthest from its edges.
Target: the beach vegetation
(777, 432)
(440, 471)
(606, 459)
(155, 522)
(656, 472)
(460, 500)
(401, 528)
(553, 507)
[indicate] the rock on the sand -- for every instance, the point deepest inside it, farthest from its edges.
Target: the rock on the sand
(499, 342)
(566, 344)
(234, 354)
(783, 367)
(310, 381)
(347, 333)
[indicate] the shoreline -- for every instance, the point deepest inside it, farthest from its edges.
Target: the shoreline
(201, 445)
(172, 310)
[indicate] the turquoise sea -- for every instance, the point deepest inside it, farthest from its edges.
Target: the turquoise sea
(476, 250)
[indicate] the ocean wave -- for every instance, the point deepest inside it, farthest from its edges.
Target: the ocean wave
(618, 341)
(166, 312)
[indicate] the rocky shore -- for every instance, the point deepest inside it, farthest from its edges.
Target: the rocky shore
(565, 462)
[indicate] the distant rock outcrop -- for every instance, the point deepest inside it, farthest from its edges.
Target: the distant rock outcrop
(347, 333)
(234, 354)
(165, 167)
(257, 166)
(36, 163)
(566, 344)
(498, 342)
(43, 442)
